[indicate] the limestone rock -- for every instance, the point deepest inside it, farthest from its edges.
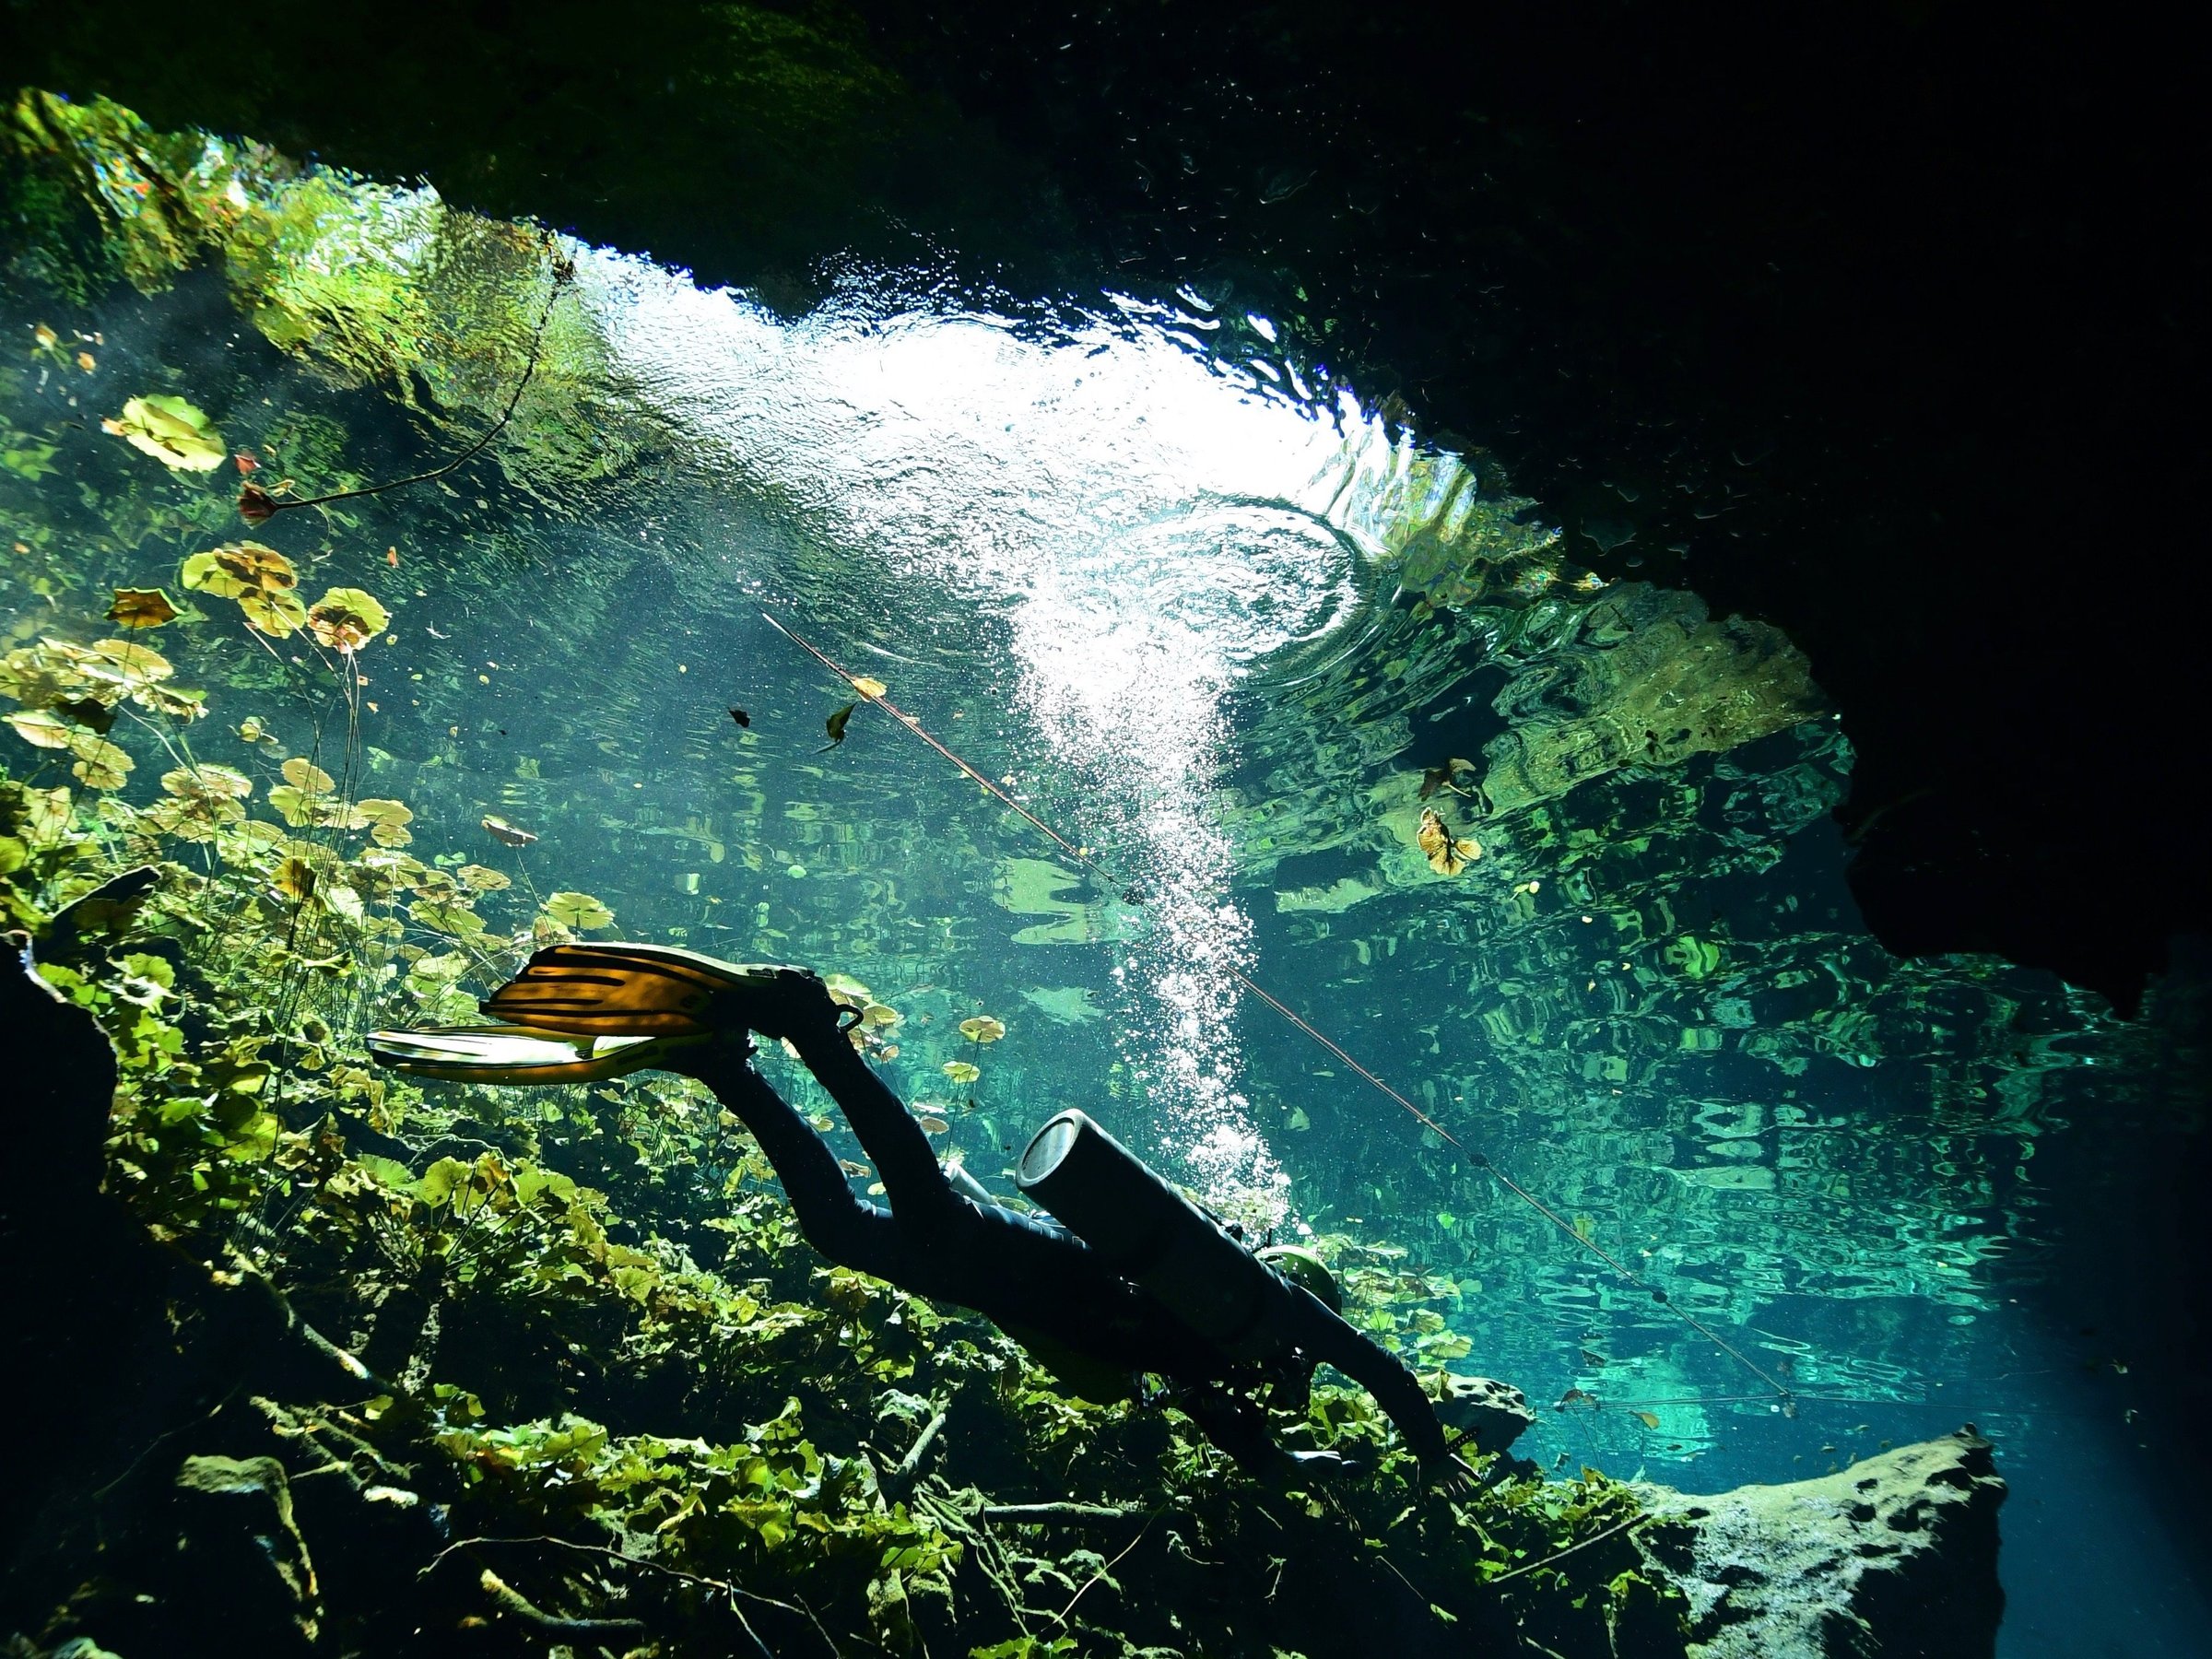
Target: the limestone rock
(1895, 1555)
(1494, 1413)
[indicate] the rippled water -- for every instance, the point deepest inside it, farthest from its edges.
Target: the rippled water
(1213, 626)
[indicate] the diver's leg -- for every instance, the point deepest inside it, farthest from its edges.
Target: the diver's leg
(849, 1230)
(905, 1161)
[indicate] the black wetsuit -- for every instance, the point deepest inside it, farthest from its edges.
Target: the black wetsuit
(1023, 1273)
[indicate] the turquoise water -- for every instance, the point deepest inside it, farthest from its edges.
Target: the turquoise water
(1207, 617)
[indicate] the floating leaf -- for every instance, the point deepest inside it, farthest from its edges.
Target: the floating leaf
(172, 430)
(256, 505)
(835, 725)
(511, 834)
(120, 662)
(875, 1014)
(307, 775)
(1299, 1120)
(345, 619)
(207, 782)
(1447, 855)
(294, 805)
(959, 1071)
(387, 821)
(37, 726)
(142, 607)
(484, 879)
(1650, 1419)
(277, 614)
(981, 1029)
(173, 700)
(236, 569)
(741, 717)
(258, 577)
(447, 918)
(100, 763)
(251, 730)
(295, 879)
(578, 910)
(870, 688)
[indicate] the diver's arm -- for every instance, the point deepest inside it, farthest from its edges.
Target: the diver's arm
(1323, 1336)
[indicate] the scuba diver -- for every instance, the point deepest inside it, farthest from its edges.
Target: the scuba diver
(1122, 1277)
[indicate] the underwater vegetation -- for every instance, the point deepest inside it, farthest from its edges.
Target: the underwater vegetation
(372, 1367)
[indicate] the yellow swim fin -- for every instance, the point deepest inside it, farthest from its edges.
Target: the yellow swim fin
(648, 990)
(508, 1053)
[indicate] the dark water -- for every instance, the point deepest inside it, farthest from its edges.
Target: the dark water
(1126, 560)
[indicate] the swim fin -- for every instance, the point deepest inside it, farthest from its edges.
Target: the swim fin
(508, 1053)
(638, 990)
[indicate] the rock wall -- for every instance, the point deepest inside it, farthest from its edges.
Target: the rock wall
(1895, 1555)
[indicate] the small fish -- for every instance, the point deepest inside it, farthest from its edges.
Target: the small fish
(934, 1125)
(391, 557)
(245, 463)
(741, 717)
(835, 725)
(508, 834)
(859, 1171)
(1571, 1395)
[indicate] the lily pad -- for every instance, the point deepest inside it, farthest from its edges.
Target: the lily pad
(449, 918)
(120, 662)
(483, 878)
(960, 1072)
(173, 431)
(142, 607)
(238, 568)
(345, 619)
(275, 615)
(100, 764)
(294, 804)
(205, 781)
(306, 775)
(578, 910)
(387, 821)
(36, 726)
(981, 1029)
(258, 577)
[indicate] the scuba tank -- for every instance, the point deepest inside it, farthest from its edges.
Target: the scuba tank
(1145, 1229)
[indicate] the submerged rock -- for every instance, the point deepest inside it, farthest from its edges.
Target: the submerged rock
(1896, 1555)
(1492, 1415)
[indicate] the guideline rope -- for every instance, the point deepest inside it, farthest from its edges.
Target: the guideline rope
(871, 691)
